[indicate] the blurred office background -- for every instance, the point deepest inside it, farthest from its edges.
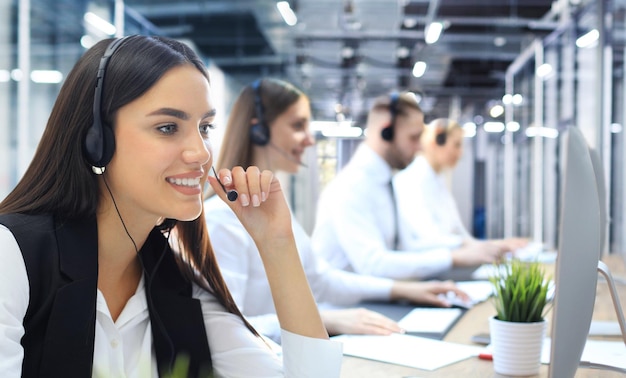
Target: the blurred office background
(515, 73)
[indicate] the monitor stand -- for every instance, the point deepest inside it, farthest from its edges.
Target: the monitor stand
(604, 270)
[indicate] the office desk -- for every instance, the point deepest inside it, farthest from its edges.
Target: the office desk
(475, 321)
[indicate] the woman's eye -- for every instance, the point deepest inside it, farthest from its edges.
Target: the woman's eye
(167, 129)
(205, 128)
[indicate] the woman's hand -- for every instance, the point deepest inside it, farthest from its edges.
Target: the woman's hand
(427, 292)
(261, 206)
(263, 211)
(358, 321)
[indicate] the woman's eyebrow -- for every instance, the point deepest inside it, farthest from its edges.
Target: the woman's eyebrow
(180, 114)
(171, 112)
(210, 113)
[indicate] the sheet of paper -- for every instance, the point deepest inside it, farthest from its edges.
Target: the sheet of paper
(417, 352)
(604, 328)
(611, 353)
(433, 320)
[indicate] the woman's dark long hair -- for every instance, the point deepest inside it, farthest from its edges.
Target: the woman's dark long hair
(59, 180)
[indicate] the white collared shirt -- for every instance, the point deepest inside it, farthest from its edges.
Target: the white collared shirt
(427, 206)
(245, 276)
(124, 348)
(355, 226)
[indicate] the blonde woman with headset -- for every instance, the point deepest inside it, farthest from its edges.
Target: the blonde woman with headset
(427, 207)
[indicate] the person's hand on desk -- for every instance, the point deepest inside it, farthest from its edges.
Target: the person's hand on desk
(510, 244)
(358, 321)
(427, 292)
(476, 252)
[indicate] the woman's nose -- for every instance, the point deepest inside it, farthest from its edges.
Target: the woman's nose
(197, 150)
(309, 139)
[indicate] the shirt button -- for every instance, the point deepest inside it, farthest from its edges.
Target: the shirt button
(114, 343)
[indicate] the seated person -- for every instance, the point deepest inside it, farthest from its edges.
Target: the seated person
(269, 128)
(89, 283)
(425, 204)
(357, 226)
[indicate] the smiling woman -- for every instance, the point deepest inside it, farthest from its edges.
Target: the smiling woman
(105, 244)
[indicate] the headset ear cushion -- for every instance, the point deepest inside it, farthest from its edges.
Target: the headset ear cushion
(440, 138)
(108, 147)
(99, 148)
(387, 133)
(92, 146)
(259, 134)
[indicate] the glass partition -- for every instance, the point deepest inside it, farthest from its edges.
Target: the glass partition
(556, 83)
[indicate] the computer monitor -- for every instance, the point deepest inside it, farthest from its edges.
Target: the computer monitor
(576, 274)
(598, 170)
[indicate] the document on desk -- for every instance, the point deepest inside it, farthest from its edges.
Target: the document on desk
(430, 319)
(413, 351)
(604, 352)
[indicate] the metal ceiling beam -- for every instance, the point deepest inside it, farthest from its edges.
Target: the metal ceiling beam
(331, 35)
(240, 6)
(501, 22)
(195, 8)
(433, 7)
(259, 60)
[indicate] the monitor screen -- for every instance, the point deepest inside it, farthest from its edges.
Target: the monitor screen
(576, 272)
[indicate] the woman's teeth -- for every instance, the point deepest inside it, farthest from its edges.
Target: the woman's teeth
(184, 181)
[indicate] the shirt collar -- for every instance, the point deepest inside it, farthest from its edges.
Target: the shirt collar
(367, 160)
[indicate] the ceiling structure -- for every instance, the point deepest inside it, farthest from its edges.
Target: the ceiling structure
(346, 52)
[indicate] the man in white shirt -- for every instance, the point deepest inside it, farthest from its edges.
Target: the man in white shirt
(357, 226)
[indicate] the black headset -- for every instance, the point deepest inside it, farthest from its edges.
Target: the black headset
(442, 136)
(99, 143)
(259, 132)
(387, 132)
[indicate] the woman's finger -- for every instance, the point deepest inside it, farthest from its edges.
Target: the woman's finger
(240, 183)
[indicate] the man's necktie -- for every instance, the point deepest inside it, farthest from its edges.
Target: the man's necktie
(396, 226)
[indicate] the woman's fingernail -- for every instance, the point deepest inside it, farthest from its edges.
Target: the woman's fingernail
(244, 199)
(255, 200)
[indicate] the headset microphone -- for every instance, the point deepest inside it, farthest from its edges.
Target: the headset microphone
(232, 194)
(287, 156)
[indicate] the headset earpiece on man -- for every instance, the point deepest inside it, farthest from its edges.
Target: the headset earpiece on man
(388, 132)
(259, 132)
(99, 143)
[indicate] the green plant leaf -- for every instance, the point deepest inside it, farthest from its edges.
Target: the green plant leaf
(520, 291)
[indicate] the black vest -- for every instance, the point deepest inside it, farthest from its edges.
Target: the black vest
(62, 265)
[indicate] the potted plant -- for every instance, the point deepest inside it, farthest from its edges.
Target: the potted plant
(517, 330)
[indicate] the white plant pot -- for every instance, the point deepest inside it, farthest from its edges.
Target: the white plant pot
(516, 347)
